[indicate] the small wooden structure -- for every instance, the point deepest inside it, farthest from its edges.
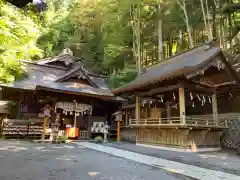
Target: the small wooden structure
(77, 94)
(118, 119)
(176, 100)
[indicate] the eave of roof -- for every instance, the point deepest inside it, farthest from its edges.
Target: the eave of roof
(149, 78)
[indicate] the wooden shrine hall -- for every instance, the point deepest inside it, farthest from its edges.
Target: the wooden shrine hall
(177, 101)
(80, 96)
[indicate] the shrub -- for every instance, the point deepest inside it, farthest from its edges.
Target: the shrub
(62, 138)
(98, 139)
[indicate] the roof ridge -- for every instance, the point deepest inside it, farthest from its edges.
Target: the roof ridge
(68, 74)
(176, 56)
(43, 65)
(57, 56)
(80, 67)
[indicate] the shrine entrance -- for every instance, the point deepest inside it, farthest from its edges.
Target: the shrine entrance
(72, 115)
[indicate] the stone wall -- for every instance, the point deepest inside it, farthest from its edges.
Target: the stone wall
(231, 137)
(128, 134)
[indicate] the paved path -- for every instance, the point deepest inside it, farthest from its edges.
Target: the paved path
(225, 161)
(35, 161)
(180, 168)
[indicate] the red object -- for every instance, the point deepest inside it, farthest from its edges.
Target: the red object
(72, 132)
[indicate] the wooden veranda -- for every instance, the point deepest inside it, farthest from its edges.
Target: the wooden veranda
(177, 100)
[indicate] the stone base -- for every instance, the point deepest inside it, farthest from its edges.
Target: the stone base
(180, 149)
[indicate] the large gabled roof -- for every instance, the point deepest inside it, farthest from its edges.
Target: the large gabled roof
(42, 75)
(180, 65)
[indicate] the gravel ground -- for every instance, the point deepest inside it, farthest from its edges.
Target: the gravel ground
(21, 160)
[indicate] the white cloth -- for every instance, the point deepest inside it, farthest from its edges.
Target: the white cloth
(77, 107)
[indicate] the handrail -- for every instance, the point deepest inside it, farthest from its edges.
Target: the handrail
(192, 120)
(173, 121)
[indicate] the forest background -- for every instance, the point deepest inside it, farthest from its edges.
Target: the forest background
(116, 38)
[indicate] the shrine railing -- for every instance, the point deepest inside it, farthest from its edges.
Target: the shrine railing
(176, 121)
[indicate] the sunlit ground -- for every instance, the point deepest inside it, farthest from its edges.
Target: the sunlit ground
(36, 161)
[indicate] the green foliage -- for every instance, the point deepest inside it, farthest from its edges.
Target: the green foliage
(122, 78)
(62, 138)
(98, 139)
(18, 35)
(101, 33)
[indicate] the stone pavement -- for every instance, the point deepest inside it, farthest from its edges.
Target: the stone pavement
(180, 168)
(225, 161)
(21, 160)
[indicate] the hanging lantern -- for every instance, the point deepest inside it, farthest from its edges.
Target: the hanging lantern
(77, 114)
(71, 113)
(193, 105)
(174, 97)
(191, 96)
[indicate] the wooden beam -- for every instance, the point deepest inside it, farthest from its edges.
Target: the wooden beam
(214, 85)
(160, 90)
(194, 85)
(182, 105)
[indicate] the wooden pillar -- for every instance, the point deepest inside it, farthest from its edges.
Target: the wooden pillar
(118, 130)
(90, 123)
(75, 117)
(168, 107)
(126, 118)
(215, 108)
(182, 105)
(44, 128)
(19, 104)
(137, 108)
(1, 97)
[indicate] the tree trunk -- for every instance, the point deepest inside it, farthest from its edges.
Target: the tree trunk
(214, 28)
(205, 20)
(180, 41)
(170, 48)
(182, 4)
(160, 40)
(230, 29)
(138, 38)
